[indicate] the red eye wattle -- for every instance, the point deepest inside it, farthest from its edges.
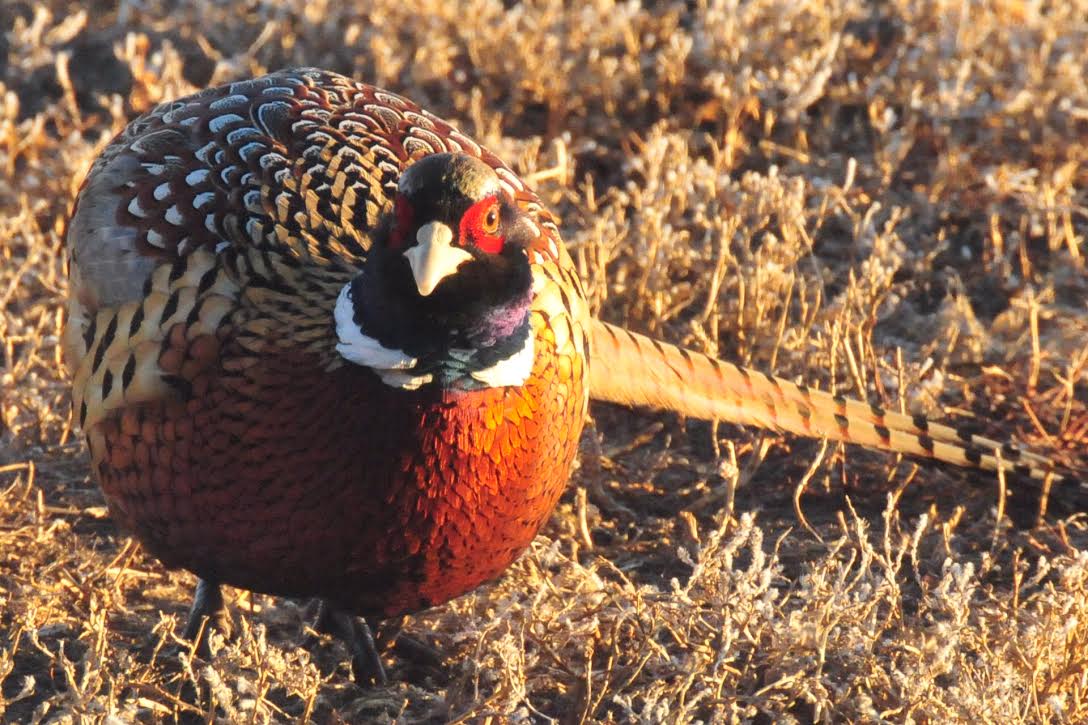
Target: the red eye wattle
(481, 223)
(402, 223)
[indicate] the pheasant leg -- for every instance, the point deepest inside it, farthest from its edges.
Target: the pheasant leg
(207, 605)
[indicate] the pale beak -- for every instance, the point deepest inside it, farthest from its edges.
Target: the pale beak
(434, 257)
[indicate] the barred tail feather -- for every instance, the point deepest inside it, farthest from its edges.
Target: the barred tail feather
(632, 369)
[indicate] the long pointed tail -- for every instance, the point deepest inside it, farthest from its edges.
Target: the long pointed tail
(635, 370)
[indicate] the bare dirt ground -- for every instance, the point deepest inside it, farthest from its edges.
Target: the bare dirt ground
(885, 198)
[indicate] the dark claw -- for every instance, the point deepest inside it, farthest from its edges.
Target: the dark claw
(416, 650)
(366, 663)
(324, 620)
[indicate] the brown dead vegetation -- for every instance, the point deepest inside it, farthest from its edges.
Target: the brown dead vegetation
(885, 198)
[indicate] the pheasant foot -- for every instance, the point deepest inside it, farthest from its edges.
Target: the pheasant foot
(355, 633)
(390, 636)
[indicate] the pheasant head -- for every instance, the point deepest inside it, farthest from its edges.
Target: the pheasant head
(445, 292)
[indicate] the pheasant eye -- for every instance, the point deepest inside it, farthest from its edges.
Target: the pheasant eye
(490, 224)
(480, 226)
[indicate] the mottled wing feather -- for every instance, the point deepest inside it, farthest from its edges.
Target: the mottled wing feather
(305, 160)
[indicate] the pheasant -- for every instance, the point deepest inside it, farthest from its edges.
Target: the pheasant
(325, 345)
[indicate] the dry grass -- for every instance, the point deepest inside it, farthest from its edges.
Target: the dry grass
(889, 198)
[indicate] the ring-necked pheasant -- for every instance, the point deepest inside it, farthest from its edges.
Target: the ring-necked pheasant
(325, 345)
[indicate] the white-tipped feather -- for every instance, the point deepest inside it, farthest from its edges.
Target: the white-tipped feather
(362, 349)
(514, 370)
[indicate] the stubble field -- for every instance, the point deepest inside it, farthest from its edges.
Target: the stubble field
(888, 199)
